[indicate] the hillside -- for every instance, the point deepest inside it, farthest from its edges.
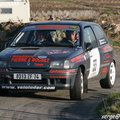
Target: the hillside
(41, 9)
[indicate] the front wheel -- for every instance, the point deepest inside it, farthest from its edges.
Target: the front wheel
(77, 91)
(109, 81)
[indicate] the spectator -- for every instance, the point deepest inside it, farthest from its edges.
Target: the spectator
(51, 17)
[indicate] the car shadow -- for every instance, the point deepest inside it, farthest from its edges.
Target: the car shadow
(36, 95)
(58, 95)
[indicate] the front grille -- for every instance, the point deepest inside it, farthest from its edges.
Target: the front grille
(43, 81)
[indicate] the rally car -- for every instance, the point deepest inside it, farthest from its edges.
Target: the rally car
(51, 62)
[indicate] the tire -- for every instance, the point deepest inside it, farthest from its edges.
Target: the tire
(85, 84)
(78, 89)
(109, 81)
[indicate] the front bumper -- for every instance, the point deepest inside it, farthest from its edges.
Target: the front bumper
(53, 79)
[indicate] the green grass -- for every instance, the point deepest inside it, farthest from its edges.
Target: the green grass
(115, 44)
(109, 105)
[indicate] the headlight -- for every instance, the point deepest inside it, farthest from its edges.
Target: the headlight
(59, 64)
(66, 64)
(3, 64)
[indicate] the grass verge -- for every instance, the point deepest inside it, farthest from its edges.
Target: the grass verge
(116, 44)
(109, 105)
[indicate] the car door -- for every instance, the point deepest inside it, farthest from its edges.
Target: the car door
(105, 48)
(93, 61)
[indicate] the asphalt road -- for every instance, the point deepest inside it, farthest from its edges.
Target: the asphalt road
(55, 105)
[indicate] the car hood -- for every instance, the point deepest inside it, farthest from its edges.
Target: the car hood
(37, 57)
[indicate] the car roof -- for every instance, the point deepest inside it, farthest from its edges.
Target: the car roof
(82, 23)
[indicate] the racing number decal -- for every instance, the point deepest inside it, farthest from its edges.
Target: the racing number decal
(94, 63)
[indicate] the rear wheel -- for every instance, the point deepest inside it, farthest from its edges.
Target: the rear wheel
(77, 91)
(109, 81)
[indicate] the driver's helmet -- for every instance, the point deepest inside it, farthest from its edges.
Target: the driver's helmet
(69, 33)
(41, 35)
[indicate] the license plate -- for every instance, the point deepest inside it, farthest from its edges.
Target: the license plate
(27, 76)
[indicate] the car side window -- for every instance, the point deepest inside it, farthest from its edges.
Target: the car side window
(89, 36)
(99, 35)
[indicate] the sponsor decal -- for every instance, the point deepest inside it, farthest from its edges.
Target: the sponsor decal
(106, 57)
(21, 58)
(78, 58)
(38, 64)
(2, 70)
(106, 48)
(29, 87)
(8, 87)
(37, 87)
(63, 71)
(50, 27)
(106, 61)
(104, 70)
(73, 27)
(28, 58)
(58, 76)
(102, 41)
(40, 60)
(57, 52)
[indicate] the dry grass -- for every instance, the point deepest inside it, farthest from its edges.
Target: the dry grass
(99, 5)
(109, 9)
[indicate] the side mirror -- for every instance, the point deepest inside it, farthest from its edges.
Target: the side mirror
(89, 46)
(6, 45)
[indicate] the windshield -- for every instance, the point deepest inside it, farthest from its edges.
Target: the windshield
(48, 35)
